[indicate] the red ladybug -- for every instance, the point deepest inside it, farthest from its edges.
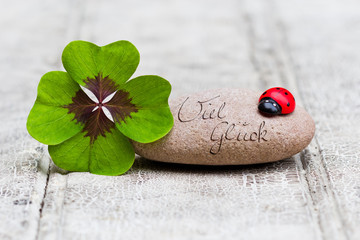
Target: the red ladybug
(276, 101)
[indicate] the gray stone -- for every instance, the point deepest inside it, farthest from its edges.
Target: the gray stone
(224, 127)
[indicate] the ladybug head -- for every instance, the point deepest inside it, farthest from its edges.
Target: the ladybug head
(268, 105)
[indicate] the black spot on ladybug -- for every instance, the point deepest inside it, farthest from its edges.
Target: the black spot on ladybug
(264, 93)
(288, 104)
(294, 98)
(286, 93)
(277, 88)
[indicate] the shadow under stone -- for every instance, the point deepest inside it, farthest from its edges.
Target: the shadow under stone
(143, 164)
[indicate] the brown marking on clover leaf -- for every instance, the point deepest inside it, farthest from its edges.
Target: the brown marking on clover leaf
(101, 87)
(120, 106)
(91, 113)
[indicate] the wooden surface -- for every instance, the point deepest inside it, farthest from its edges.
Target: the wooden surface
(309, 47)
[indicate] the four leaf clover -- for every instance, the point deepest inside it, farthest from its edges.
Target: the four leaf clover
(79, 134)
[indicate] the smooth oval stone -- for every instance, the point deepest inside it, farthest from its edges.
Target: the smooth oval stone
(224, 127)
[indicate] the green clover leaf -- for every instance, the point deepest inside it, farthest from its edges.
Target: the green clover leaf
(79, 134)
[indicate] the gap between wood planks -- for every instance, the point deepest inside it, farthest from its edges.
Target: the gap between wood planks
(318, 188)
(43, 197)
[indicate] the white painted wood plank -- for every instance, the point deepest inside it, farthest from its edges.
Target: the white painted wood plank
(324, 42)
(31, 33)
(307, 46)
(196, 45)
(274, 61)
(178, 202)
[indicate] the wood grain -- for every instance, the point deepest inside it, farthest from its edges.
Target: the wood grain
(309, 48)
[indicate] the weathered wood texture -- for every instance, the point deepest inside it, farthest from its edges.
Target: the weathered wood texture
(310, 48)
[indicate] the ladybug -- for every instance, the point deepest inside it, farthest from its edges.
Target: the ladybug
(276, 101)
